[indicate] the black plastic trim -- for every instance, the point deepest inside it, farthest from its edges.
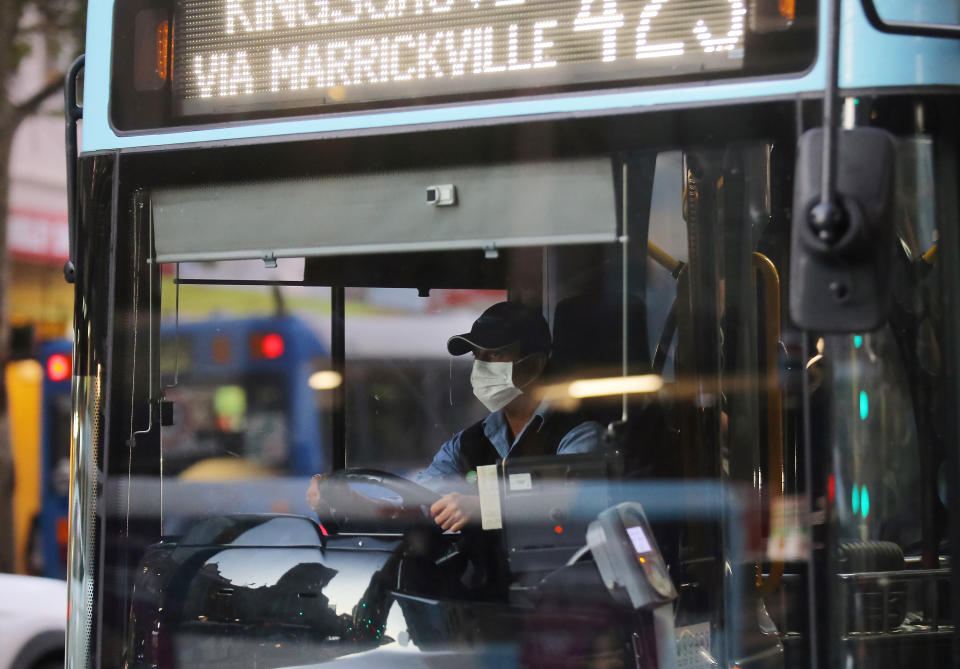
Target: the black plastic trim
(72, 114)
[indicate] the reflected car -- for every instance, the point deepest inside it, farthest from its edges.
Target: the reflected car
(33, 622)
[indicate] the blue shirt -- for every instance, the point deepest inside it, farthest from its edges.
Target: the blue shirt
(448, 468)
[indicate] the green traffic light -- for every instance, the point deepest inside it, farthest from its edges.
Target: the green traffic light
(855, 499)
(864, 501)
(864, 405)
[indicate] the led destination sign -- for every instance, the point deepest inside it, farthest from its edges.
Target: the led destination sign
(237, 55)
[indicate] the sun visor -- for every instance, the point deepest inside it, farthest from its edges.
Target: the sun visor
(450, 208)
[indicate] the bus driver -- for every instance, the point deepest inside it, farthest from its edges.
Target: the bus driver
(511, 344)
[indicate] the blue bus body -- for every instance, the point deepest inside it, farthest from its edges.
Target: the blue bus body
(302, 349)
(55, 456)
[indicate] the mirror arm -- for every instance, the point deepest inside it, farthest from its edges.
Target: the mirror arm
(72, 113)
(829, 219)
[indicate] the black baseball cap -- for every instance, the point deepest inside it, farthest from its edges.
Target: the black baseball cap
(503, 324)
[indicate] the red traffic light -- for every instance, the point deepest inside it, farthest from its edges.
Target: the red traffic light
(272, 346)
(58, 367)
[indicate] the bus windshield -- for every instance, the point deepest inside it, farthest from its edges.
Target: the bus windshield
(536, 407)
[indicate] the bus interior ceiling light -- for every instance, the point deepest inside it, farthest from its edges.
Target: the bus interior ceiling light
(58, 367)
(615, 385)
(325, 379)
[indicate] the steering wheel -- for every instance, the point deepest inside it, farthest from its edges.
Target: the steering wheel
(412, 494)
(447, 559)
(350, 507)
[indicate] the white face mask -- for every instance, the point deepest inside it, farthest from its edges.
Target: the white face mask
(493, 384)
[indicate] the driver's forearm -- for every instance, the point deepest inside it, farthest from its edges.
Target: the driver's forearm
(445, 472)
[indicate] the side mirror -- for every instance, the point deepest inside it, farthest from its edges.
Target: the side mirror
(925, 19)
(840, 270)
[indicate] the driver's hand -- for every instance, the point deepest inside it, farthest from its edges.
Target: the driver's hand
(453, 511)
(315, 496)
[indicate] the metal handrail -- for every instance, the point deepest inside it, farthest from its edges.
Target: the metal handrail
(768, 274)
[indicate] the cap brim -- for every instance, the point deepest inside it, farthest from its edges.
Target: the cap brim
(462, 343)
(459, 344)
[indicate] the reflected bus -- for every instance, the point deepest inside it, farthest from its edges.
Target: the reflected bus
(246, 422)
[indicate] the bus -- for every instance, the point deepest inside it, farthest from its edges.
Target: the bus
(737, 219)
(47, 549)
(228, 372)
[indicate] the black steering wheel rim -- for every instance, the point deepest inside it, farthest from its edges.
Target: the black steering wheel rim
(411, 494)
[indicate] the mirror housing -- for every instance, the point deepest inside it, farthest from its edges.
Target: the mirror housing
(935, 24)
(839, 270)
